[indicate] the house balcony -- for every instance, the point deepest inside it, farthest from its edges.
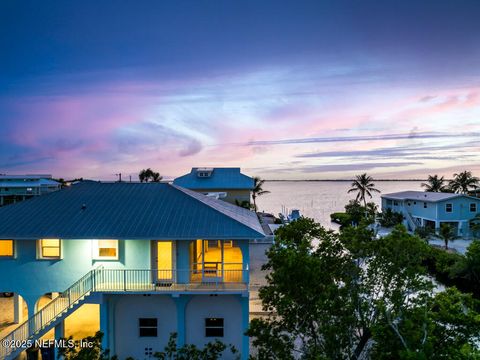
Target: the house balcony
(206, 279)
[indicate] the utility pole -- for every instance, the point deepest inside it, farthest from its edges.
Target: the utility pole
(119, 177)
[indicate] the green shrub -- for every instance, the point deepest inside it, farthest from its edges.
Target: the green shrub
(453, 269)
(341, 218)
(390, 218)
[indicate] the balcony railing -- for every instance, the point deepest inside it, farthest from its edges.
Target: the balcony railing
(125, 280)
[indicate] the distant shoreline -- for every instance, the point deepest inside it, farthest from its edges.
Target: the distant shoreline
(348, 180)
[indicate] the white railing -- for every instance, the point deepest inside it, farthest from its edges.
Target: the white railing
(411, 221)
(121, 280)
(44, 317)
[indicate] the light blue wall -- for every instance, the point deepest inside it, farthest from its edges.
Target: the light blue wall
(461, 209)
(31, 278)
(417, 208)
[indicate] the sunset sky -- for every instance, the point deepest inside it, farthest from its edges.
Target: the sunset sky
(283, 89)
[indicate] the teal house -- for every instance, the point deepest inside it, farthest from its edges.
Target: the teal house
(229, 183)
(431, 209)
(137, 261)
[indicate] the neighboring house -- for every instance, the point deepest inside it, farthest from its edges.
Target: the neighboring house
(236, 186)
(155, 258)
(430, 209)
(14, 188)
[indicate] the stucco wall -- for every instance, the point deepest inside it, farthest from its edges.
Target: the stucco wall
(128, 309)
(205, 306)
(32, 278)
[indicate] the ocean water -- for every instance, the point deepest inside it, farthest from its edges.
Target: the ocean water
(318, 199)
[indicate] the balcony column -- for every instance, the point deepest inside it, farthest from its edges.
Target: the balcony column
(181, 302)
(245, 321)
(59, 334)
(245, 248)
(104, 322)
(17, 309)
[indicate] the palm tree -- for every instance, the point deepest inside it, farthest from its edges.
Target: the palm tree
(156, 177)
(244, 204)
(447, 234)
(258, 190)
(364, 186)
(463, 182)
(147, 175)
(434, 184)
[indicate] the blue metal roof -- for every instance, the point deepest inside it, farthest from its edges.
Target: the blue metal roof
(221, 178)
(95, 210)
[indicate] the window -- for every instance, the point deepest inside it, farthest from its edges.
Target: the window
(6, 248)
(147, 327)
(214, 327)
(389, 202)
(105, 249)
(473, 207)
(395, 203)
(448, 208)
(49, 249)
(424, 205)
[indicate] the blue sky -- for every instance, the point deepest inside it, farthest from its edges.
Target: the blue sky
(284, 89)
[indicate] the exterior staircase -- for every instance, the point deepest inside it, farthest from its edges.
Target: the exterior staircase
(412, 223)
(47, 317)
(102, 280)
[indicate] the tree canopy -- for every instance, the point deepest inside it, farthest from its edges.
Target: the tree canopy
(340, 296)
(147, 175)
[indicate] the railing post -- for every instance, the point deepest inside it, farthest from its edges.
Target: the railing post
(124, 280)
(93, 280)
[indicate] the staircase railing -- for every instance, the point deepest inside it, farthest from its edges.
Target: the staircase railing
(411, 221)
(44, 317)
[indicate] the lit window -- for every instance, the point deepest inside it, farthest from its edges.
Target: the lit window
(214, 327)
(6, 248)
(473, 207)
(448, 208)
(105, 249)
(49, 248)
(147, 327)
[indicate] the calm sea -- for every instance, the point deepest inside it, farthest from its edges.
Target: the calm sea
(318, 199)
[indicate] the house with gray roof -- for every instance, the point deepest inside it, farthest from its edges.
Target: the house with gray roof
(150, 259)
(229, 183)
(431, 209)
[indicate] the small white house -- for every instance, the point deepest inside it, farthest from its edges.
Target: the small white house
(430, 209)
